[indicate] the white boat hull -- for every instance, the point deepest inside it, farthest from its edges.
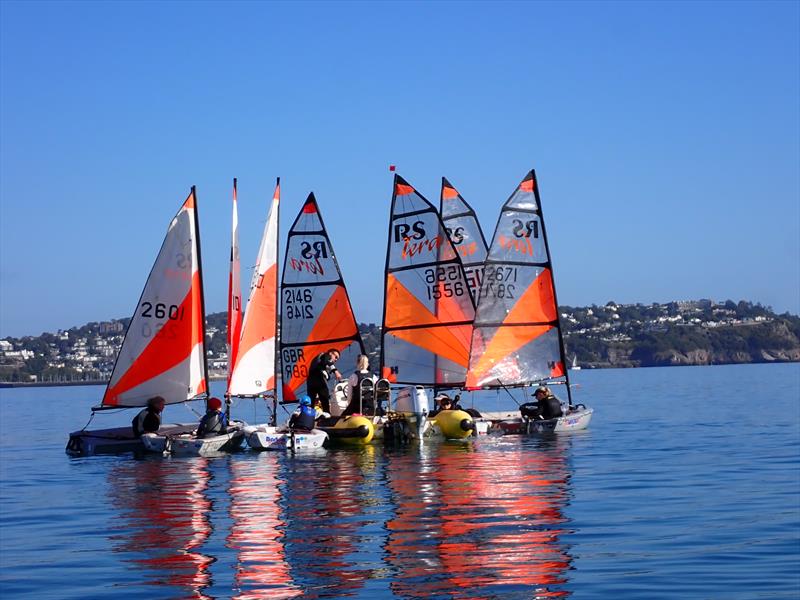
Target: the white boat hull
(512, 423)
(266, 437)
(188, 444)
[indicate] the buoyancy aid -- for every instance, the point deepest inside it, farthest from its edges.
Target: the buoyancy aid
(212, 423)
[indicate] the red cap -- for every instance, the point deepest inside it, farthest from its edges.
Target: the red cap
(214, 403)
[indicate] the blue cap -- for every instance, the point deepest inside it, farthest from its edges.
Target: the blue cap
(305, 400)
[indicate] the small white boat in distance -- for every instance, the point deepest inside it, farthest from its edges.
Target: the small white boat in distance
(575, 366)
(267, 437)
(188, 444)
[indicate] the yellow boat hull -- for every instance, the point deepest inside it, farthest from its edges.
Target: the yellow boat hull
(354, 430)
(454, 424)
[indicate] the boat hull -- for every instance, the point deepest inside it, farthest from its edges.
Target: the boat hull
(354, 430)
(577, 420)
(117, 440)
(188, 444)
(266, 437)
(454, 424)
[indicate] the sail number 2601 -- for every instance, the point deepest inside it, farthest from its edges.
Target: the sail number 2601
(161, 310)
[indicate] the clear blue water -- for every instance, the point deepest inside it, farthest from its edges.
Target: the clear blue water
(686, 485)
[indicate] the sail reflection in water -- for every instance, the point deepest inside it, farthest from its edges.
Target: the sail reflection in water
(163, 522)
(468, 525)
(258, 530)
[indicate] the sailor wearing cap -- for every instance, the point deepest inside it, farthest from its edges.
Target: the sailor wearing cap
(214, 421)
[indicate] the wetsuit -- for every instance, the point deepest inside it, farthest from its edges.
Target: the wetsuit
(147, 421)
(212, 423)
(318, 374)
(303, 418)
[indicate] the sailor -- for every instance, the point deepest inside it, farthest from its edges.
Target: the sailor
(149, 419)
(549, 405)
(304, 417)
(354, 383)
(443, 402)
(320, 370)
(214, 421)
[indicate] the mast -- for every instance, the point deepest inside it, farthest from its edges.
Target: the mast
(202, 294)
(277, 352)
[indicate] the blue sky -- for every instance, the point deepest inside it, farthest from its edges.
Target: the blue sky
(666, 139)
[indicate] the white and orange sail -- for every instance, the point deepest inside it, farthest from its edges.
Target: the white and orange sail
(316, 314)
(163, 353)
(254, 364)
(517, 336)
(234, 292)
(465, 233)
(428, 309)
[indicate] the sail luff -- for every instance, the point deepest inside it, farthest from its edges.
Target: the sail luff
(196, 238)
(234, 330)
(552, 275)
(254, 372)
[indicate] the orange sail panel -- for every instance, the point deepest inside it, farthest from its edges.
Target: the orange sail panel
(316, 314)
(254, 371)
(163, 353)
(428, 307)
(517, 339)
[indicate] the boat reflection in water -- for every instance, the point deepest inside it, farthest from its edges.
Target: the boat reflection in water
(480, 524)
(164, 520)
(257, 534)
(329, 506)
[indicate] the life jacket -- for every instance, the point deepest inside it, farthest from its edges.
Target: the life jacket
(354, 406)
(306, 419)
(138, 422)
(212, 423)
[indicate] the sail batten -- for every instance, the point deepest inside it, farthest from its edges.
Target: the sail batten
(163, 353)
(428, 307)
(517, 336)
(254, 372)
(316, 313)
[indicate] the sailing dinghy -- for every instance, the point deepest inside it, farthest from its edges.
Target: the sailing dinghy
(253, 357)
(427, 315)
(316, 316)
(189, 443)
(163, 353)
(517, 338)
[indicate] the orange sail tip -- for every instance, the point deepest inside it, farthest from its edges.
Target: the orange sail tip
(527, 183)
(401, 189)
(310, 207)
(448, 191)
(190, 200)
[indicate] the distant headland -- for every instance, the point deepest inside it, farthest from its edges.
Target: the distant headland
(695, 332)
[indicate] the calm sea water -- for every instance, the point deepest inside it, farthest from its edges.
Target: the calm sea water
(686, 485)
